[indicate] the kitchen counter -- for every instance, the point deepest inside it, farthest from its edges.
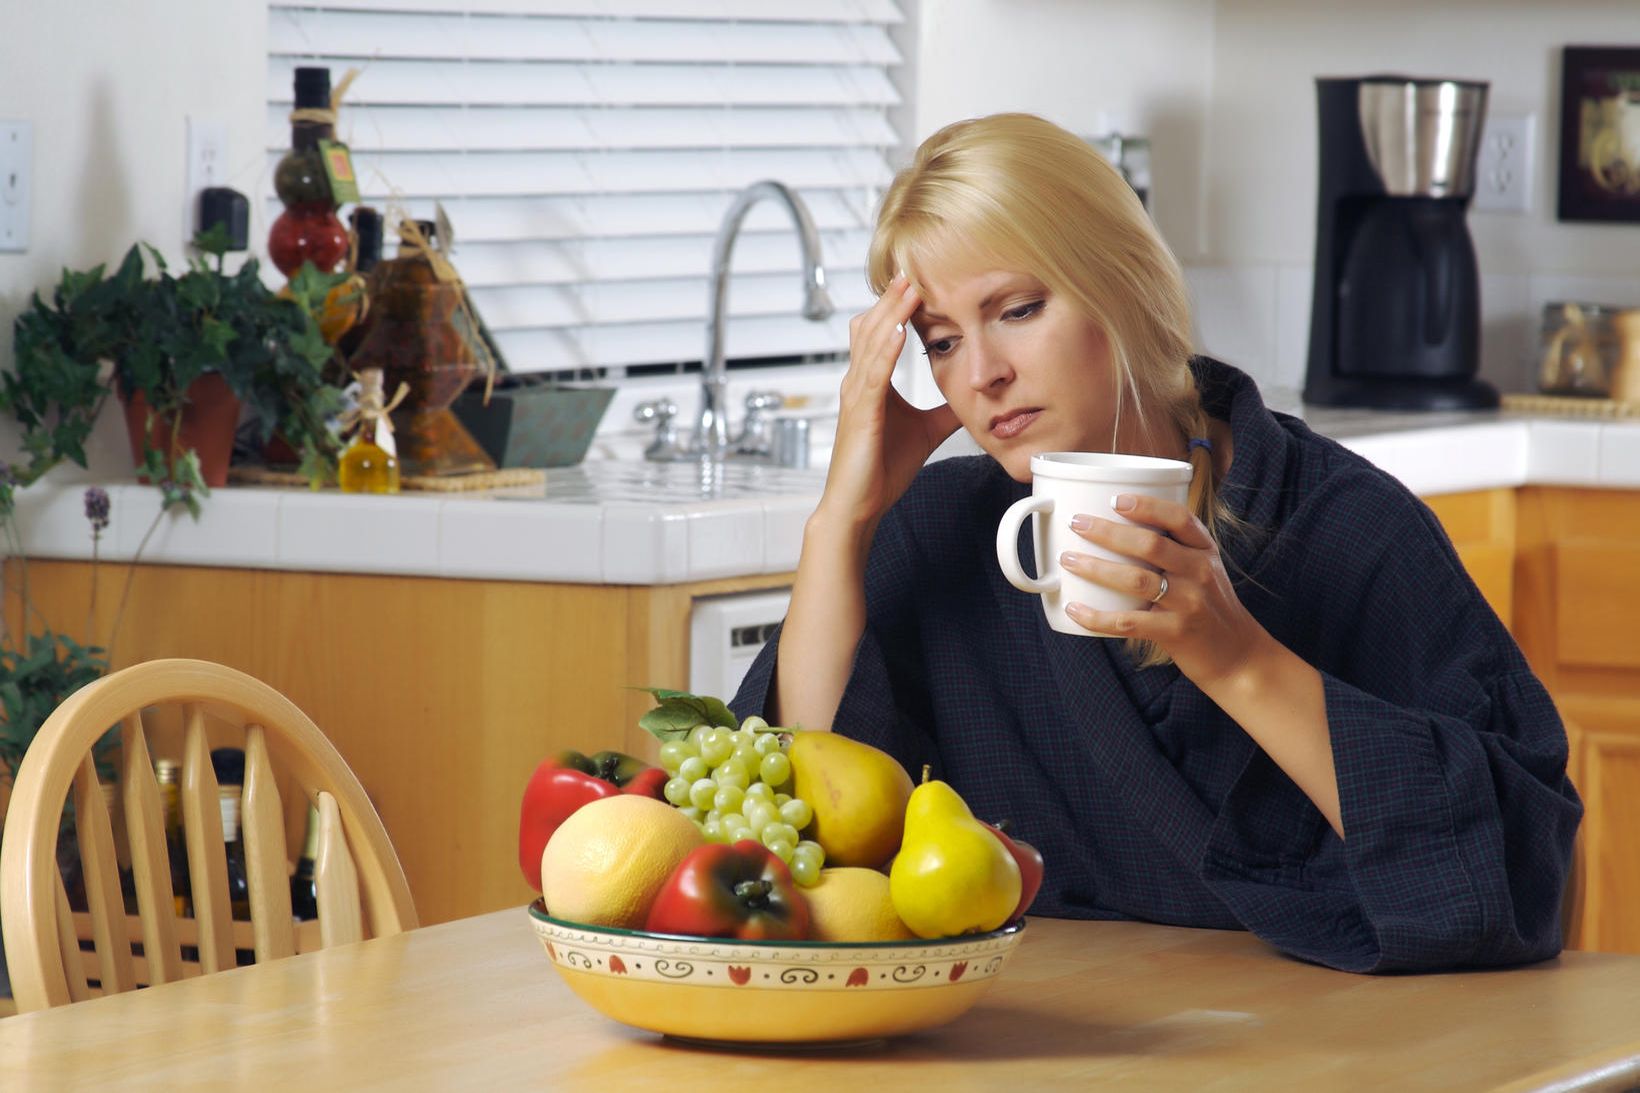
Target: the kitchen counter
(632, 523)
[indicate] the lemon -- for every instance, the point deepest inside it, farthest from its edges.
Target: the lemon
(607, 862)
(853, 904)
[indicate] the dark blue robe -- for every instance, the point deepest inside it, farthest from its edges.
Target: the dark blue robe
(1148, 802)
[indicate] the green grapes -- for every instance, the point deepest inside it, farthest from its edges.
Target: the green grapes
(732, 783)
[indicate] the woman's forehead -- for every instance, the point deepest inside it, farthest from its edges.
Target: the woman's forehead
(949, 289)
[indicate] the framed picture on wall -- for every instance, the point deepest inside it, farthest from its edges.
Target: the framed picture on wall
(1600, 133)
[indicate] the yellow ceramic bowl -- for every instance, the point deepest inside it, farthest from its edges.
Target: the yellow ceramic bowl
(772, 992)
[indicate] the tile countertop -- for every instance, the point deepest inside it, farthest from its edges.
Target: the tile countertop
(618, 522)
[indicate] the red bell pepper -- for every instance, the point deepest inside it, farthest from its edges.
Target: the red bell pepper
(743, 891)
(1029, 859)
(565, 782)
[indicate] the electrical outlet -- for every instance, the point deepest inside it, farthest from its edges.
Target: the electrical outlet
(1503, 169)
(207, 166)
(16, 164)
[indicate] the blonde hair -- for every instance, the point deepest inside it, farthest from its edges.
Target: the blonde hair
(1017, 192)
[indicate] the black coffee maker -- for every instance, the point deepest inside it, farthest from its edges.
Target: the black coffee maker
(1395, 320)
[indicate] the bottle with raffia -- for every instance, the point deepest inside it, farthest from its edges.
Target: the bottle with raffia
(308, 229)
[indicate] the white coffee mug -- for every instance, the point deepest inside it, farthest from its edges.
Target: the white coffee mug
(1064, 485)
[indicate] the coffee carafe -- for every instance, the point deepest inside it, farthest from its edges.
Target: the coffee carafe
(1395, 317)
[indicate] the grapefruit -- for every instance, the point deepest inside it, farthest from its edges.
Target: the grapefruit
(606, 863)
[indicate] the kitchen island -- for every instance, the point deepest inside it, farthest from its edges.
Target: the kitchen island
(447, 644)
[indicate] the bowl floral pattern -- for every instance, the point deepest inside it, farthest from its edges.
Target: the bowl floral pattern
(728, 989)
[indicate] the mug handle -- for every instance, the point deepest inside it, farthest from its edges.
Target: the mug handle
(1008, 544)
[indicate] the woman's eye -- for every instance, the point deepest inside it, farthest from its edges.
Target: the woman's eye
(939, 347)
(1023, 311)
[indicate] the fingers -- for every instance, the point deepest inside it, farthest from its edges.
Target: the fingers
(877, 335)
(1162, 627)
(1170, 516)
(1130, 580)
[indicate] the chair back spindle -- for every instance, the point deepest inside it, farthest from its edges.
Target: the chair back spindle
(150, 859)
(267, 870)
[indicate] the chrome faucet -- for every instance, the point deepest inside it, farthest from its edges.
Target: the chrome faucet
(711, 438)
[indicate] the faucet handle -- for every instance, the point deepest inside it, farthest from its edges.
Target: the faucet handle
(661, 410)
(755, 438)
(664, 448)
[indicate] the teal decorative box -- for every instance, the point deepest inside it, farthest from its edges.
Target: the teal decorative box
(531, 423)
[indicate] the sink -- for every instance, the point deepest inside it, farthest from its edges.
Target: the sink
(622, 481)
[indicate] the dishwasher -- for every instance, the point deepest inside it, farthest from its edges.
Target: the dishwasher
(725, 634)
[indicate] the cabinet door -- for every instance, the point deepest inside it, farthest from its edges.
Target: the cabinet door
(1604, 908)
(1481, 526)
(1611, 889)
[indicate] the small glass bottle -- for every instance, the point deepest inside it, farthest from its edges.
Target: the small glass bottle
(229, 764)
(370, 464)
(304, 889)
(176, 847)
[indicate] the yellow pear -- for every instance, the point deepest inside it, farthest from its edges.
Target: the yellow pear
(952, 874)
(858, 794)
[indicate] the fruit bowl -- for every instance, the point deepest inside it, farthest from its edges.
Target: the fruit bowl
(773, 992)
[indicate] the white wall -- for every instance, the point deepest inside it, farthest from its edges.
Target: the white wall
(1143, 65)
(1253, 279)
(108, 85)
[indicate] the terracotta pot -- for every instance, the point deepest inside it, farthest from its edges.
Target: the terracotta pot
(208, 422)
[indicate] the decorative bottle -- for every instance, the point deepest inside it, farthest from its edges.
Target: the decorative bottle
(229, 764)
(420, 334)
(308, 230)
(370, 464)
(176, 847)
(304, 889)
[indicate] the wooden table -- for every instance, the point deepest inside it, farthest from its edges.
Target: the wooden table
(475, 1004)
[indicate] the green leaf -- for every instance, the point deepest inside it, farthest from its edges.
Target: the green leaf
(214, 241)
(679, 711)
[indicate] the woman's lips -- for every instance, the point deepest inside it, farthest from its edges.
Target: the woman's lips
(1011, 425)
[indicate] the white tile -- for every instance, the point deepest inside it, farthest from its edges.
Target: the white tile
(783, 521)
(726, 540)
(353, 533)
(1566, 288)
(51, 521)
(645, 544)
(1620, 454)
(1432, 461)
(1235, 315)
(1295, 286)
(236, 527)
(1563, 453)
(521, 541)
(1508, 333)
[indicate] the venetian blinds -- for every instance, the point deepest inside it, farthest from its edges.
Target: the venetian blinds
(586, 151)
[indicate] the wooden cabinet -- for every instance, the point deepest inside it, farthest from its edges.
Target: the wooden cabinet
(443, 695)
(1563, 567)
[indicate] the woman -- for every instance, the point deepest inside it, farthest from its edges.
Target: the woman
(1317, 731)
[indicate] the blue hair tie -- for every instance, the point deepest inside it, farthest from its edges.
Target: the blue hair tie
(1200, 442)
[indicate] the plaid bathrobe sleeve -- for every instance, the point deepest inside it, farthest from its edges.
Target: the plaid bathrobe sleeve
(1450, 758)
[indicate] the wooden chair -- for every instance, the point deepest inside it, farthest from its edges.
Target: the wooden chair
(358, 875)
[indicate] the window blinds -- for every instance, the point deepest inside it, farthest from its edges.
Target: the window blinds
(586, 151)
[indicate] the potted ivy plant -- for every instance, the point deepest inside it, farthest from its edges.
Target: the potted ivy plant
(183, 354)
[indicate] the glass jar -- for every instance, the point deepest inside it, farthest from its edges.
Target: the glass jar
(1579, 350)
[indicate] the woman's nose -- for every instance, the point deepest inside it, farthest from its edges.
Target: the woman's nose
(987, 367)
